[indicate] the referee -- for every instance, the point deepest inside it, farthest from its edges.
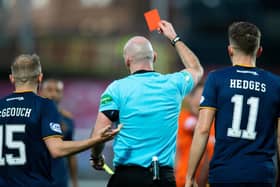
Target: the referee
(147, 104)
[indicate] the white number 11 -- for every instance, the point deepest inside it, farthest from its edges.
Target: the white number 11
(235, 130)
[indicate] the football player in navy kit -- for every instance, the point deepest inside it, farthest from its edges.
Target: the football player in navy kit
(64, 168)
(30, 132)
(245, 102)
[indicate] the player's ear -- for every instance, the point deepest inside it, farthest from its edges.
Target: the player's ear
(259, 51)
(12, 79)
(155, 57)
(40, 78)
(230, 50)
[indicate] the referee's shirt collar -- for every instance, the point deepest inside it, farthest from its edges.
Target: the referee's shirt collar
(142, 71)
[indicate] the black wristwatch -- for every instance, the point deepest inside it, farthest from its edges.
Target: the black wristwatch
(175, 40)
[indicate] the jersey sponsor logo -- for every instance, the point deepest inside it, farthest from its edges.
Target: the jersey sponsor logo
(15, 98)
(55, 127)
(106, 99)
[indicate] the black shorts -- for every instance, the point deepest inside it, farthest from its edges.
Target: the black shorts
(136, 176)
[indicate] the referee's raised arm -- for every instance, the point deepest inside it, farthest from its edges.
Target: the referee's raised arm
(188, 58)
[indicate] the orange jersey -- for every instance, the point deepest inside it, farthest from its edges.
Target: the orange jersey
(187, 122)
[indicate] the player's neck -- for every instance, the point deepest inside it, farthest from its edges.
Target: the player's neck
(26, 88)
(242, 60)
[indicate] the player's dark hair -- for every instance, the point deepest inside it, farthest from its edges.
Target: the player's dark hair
(245, 36)
(26, 68)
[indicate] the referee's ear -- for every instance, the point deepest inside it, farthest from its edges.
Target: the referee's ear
(127, 62)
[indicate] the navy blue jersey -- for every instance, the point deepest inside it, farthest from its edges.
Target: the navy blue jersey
(60, 165)
(25, 120)
(247, 103)
(67, 127)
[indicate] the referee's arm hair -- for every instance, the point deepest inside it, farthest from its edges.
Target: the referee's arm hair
(188, 58)
(101, 121)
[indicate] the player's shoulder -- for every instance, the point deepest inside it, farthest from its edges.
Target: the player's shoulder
(43, 99)
(45, 103)
(221, 71)
(3, 98)
(270, 76)
(217, 76)
(216, 73)
(66, 113)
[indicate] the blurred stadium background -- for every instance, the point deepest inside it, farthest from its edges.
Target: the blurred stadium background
(80, 42)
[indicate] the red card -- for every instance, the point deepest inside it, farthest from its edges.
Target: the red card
(152, 19)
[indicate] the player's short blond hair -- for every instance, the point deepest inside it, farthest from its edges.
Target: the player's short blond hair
(26, 69)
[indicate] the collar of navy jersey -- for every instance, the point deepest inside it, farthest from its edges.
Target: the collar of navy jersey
(244, 66)
(246, 69)
(142, 71)
(24, 91)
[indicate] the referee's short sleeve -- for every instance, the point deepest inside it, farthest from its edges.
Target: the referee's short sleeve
(109, 98)
(185, 82)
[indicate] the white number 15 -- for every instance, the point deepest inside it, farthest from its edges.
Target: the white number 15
(10, 143)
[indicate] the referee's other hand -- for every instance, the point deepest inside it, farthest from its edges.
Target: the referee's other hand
(97, 162)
